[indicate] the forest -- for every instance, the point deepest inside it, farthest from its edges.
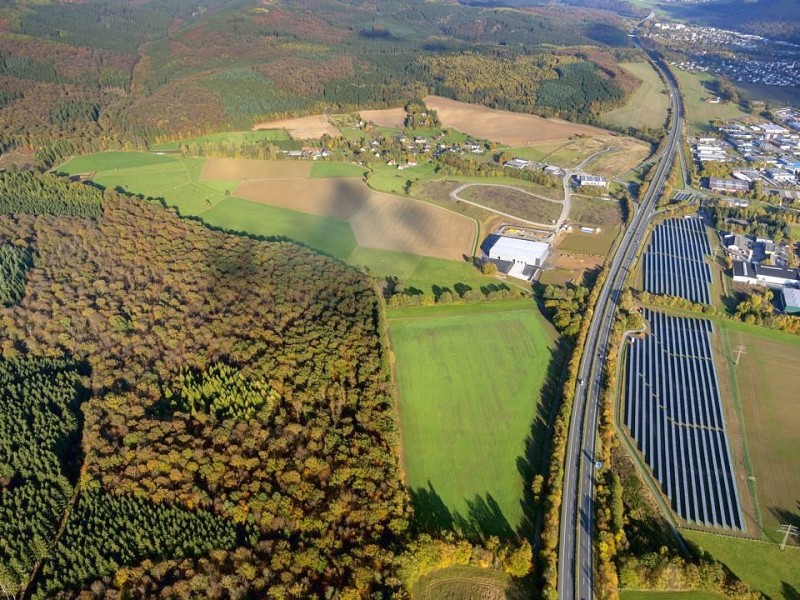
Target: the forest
(105, 74)
(146, 418)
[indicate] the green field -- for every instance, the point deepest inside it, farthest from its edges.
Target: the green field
(470, 379)
(769, 417)
(647, 107)
(634, 595)
(103, 161)
(699, 113)
(468, 583)
(762, 566)
(230, 137)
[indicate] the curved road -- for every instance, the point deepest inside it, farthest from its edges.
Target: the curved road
(575, 562)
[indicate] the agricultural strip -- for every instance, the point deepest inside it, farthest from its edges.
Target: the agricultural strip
(243, 168)
(647, 107)
(761, 565)
(386, 117)
(766, 380)
(470, 380)
(512, 129)
(468, 583)
(303, 128)
(514, 201)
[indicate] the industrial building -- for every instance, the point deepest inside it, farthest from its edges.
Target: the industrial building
(791, 300)
(515, 257)
(591, 180)
(517, 163)
(756, 274)
(716, 184)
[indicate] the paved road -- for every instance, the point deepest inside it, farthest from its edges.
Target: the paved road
(575, 565)
(454, 195)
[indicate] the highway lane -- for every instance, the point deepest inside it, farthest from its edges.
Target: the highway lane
(575, 565)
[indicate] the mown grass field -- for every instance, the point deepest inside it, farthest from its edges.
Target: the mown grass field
(699, 113)
(230, 137)
(331, 169)
(769, 413)
(648, 105)
(763, 566)
(468, 583)
(470, 379)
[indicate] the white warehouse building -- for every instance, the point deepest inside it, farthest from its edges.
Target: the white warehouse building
(514, 256)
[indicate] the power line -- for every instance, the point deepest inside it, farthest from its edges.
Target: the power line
(787, 530)
(739, 351)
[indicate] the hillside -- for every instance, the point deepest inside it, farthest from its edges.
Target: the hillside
(229, 396)
(191, 68)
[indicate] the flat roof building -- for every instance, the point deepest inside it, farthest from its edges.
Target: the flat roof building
(591, 180)
(517, 163)
(728, 185)
(791, 300)
(515, 257)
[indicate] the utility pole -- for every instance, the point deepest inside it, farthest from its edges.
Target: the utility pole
(787, 530)
(739, 351)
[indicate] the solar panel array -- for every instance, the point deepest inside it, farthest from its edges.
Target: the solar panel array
(674, 261)
(674, 414)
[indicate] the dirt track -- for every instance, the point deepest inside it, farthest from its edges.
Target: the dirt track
(513, 129)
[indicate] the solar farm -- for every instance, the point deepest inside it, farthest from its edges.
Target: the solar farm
(674, 263)
(674, 413)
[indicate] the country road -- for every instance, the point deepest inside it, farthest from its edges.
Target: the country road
(575, 561)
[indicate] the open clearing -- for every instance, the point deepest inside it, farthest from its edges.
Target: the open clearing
(387, 117)
(766, 402)
(467, 406)
(468, 583)
(311, 127)
(516, 202)
(378, 220)
(699, 113)
(505, 127)
(761, 565)
(647, 107)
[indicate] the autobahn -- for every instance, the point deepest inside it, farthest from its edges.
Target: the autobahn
(575, 562)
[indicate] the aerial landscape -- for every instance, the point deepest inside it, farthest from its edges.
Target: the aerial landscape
(411, 299)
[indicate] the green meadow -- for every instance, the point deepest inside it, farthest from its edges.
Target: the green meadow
(470, 380)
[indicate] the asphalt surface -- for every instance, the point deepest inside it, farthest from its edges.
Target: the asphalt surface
(575, 563)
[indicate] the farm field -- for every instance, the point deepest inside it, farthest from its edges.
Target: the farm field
(769, 415)
(511, 129)
(467, 406)
(648, 105)
(699, 113)
(303, 128)
(596, 244)
(331, 169)
(385, 117)
(230, 137)
(761, 565)
(468, 583)
(650, 595)
(571, 153)
(513, 201)
(184, 183)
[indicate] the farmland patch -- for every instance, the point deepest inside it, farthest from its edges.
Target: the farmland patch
(387, 117)
(244, 168)
(303, 128)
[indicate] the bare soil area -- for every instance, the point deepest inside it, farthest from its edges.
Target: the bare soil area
(242, 168)
(311, 127)
(387, 117)
(513, 129)
(378, 220)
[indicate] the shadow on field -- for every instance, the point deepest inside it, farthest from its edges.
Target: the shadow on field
(537, 443)
(484, 517)
(787, 517)
(789, 592)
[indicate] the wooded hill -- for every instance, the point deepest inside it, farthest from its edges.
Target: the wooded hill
(110, 73)
(187, 407)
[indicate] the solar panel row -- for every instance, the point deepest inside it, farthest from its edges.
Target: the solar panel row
(674, 261)
(674, 413)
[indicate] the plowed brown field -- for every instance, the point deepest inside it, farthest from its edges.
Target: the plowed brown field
(512, 129)
(387, 117)
(304, 128)
(378, 220)
(242, 168)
